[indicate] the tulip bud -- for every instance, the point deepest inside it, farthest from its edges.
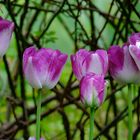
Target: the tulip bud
(122, 66)
(6, 30)
(92, 89)
(43, 67)
(85, 61)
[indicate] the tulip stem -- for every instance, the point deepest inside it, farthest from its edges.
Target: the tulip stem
(91, 123)
(130, 112)
(38, 116)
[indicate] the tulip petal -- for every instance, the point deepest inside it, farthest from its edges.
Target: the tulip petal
(29, 67)
(28, 53)
(97, 62)
(55, 62)
(32, 75)
(104, 60)
(134, 38)
(116, 59)
(99, 84)
(93, 63)
(77, 61)
(6, 30)
(135, 53)
(39, 62)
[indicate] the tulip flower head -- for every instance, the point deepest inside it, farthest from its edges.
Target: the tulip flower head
(6, 30)
(43, 67)
(92, 89)
(122, 66)
(85, 61)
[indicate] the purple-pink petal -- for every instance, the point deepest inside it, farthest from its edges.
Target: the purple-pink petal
(77, 61)
(97, 62)
(135, 53)
(116, 59)
(6, 30)
(100, 84)
(55, 62)
(28, 53)
(32, 75)
(134, 38)
(104, 60)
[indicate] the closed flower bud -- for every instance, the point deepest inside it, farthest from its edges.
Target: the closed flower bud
(43, 67)
(122, 66)
(92, 89)
(85, 61)
(6, 30)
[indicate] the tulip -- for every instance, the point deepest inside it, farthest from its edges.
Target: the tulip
(122, 66)
(43, 67)
(92, 94)
(85, 61)
(134, 49)
(6, 30)
(92, 89)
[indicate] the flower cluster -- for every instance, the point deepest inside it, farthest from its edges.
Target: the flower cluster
(43, 67)
(91, 67)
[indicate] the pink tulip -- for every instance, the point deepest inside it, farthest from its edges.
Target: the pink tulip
(122, 66)
(43, 67)
(92, 89)
(6, 30)
(85, 61)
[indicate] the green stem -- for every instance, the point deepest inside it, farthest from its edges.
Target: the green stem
(130, 112)
(38, 116)
(91, 123)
